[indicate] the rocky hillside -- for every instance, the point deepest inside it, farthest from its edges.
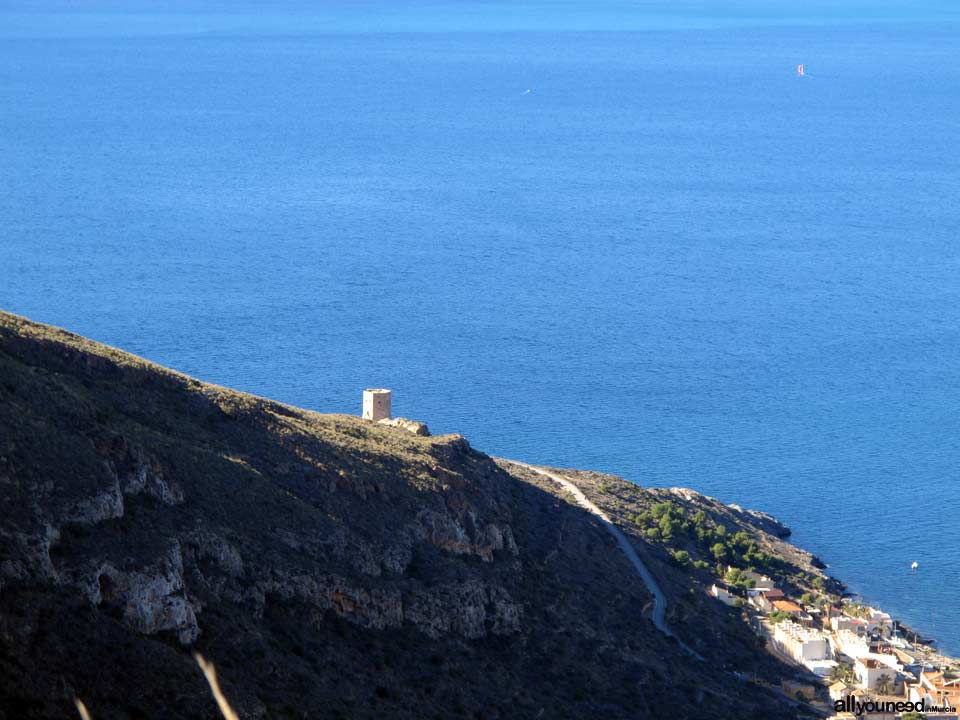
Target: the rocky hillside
(329, 567)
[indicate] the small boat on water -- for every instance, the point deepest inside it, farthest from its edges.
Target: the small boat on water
(800, 70)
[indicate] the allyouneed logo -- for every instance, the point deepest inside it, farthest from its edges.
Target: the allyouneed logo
(861, 708)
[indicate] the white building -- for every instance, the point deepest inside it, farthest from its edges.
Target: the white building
(722, 594)
(878, 618)
(935, 688)
(807, 646)
(376, 404)
(821, 668)
(845, 622)
(840, 690)
(760, 582)
(764, 599)
(869, 619)
(851, 644)
(869, 671)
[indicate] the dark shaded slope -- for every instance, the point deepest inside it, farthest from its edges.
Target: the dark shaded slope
(330, 567)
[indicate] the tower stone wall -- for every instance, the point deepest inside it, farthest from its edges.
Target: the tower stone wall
(376, 404)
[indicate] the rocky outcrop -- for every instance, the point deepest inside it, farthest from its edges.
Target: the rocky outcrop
(471, 609)
(149, 600)
(450, 534)
(413, 426)
(764, 521)
(105, 505)
(25, 557)
(760, 520)
(205, 546)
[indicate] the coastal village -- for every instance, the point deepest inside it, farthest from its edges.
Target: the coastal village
(867, 663)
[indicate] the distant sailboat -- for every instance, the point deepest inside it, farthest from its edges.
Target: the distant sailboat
(800, 70)
(914, 566)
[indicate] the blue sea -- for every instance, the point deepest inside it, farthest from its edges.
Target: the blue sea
(624, 236)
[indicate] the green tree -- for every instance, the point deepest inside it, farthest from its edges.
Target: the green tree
(662, 509)
(843, 673)
(755, 558)
(667, 527)
(884, 684)
(883, 629)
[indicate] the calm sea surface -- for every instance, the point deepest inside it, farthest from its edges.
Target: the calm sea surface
(632, 240)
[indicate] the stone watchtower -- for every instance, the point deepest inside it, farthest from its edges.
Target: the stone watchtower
(376, 404)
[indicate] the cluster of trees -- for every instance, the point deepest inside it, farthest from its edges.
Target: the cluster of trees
(737, 578)
(664, 521)
(667, 522)
(682, 558)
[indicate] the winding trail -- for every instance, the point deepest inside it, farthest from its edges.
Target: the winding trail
(659, 598)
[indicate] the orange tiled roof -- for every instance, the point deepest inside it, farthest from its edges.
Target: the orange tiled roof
(787, 606)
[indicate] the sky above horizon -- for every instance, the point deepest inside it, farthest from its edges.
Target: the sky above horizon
(63, 18)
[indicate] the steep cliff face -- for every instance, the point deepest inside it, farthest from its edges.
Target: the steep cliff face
(329, 566)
